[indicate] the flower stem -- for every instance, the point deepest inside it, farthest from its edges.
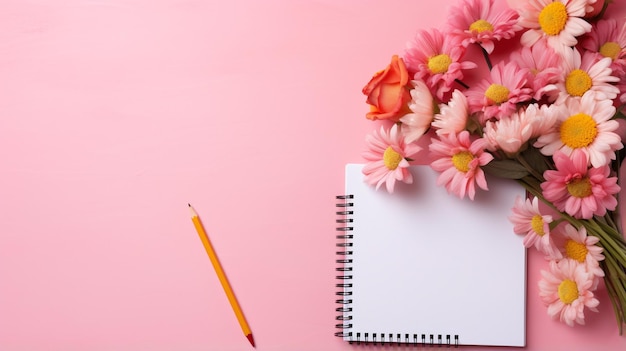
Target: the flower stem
(458, 81)
(486, 56)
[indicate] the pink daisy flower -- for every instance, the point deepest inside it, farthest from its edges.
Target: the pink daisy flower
(544, 66)
(452, 117)
(415, 124)
(567, 289)
(498, 95)
(587, 73)
(558, 21)
(582, 248)
(458, 159)
(528, 221)
(608, 38)
(473, 22)
(585, 124)
(436, 59)
(387, 158)
(577, 190)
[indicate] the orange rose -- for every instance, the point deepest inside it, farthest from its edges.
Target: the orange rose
(387, 92)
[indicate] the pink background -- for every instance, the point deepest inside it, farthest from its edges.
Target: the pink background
(115, 114)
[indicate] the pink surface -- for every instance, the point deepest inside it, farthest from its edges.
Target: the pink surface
(115, 114)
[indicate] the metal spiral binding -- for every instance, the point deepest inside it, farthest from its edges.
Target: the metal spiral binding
(344, 264)
(344, 291)
(423, 340)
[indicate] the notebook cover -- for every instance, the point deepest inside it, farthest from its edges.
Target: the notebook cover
(423, 266)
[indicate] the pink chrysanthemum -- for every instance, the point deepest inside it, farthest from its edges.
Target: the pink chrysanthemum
(436, 59)
(585, 124)
(567, 289)
(577, 190)
(415, 124)
(544, 66)
(459, 161)
(582, 248)
(542, 119)
(387, 158)
(558, 21)
(608, 37)
(452, 117)
(473, 22)
(528, 221)
(498, 95)
(591, 72)
(509, 134)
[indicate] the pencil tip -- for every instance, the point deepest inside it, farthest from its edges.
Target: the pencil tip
(188, 204)
(251, 339)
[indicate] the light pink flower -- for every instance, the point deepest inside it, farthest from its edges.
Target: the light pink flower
(544, 65)
(415, 124)
(585, 124)
(459, 161)
(473, 21)
(452, 117)
(542, 119)
(528, 221)
(387, 158)
(509, 134)
(567, 289)
(582, 248)
(558, 21)
(608, 37)
(436, 59)
(577, 190)
(591, 72)
(498, 95)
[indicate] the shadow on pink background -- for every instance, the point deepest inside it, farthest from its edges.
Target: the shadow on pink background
(116, 114)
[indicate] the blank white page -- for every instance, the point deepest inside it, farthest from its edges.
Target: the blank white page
(427, 262)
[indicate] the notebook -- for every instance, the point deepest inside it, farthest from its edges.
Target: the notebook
(423, 266)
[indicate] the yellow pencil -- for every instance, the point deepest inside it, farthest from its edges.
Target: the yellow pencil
(220, 274)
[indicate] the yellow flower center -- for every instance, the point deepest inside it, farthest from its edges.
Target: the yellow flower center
(576, 250)
(439, 63)
(391, 158)
(578, 131)
(461, 160)
(480, 26)
(553, 18)
(497, 93)
(577, 82)
(610, 49)
(537, 224)
(580, 187)
(568, 291)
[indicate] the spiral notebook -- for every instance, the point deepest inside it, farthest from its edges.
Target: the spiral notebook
(423, 266)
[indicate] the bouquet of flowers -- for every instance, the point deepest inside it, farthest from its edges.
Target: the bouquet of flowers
(544, 110)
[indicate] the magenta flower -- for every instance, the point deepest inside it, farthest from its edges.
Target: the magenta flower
(577, 190)
(387, 158)
(436, 59)
(458, 159)
(499, 95)
(474, 22)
